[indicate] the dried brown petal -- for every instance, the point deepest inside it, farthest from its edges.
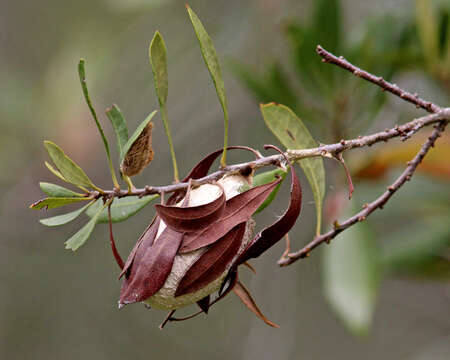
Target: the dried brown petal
(272, 234)
(238, 209)
(140, 153)
(204, 303)
(193, 218)
(248, 301)
(145, 241)
(152, 270)
(213, 262)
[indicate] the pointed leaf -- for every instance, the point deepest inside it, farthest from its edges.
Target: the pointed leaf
(213, 262)
(152, 270)
(54, 190)
(243, 294)
(265, 178)
(212, 63)
(64, 218)
(274, 233)
(80, 237)
(158, 60)
(135, 135)
(82, 76)
(120, 127)
(140, 154)
(351, 277)
(54, 202)
(238, 209)
(193, 218)
(69, 170)
(291, 132)
(121, 209)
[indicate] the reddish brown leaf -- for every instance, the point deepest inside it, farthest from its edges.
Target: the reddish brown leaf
(246, 298)
(238, 209)
(194, 218)
(274, 233)
(204, 303)
(144, 242)
(152, 269)
(213, 262)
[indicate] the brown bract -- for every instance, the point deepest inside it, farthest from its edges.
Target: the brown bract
(140, 153)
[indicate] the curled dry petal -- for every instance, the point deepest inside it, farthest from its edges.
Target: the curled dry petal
(213, 262)
(274, 233)
(153, 269)
(193, 218)
(238, 209)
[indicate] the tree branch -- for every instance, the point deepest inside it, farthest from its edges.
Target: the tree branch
(328, 151)
(368, 208)
(438, 115)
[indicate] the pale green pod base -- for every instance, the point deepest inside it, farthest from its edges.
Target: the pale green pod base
(165, 298)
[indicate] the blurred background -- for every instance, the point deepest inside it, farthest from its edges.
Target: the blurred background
(379, 291)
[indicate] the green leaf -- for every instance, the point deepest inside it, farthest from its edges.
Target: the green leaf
(212, 63)
(327, 24)
(265, 178)
(135, 135)
(351, 277)
(69, 170)
(428, 32)
(293, 134)
(80, 237)
(158, 60)
(120, 127)
(55, 172)
(54, 190)
(414, 247)
(82, 75)
(54, 202)
(64, 218)
(121, 209)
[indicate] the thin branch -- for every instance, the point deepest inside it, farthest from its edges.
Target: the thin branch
(328, 151)
(369, 208)
(378, 80)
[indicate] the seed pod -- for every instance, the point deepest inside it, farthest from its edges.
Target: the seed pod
(140, 153)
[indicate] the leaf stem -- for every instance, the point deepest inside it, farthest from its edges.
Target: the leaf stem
(169, 139)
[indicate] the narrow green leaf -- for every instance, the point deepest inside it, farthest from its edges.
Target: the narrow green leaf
(120, 127)
(82, 75)
(55, 172)
(351, 277)
(212, 63)
(81, 236)
(69, 170)
(64, 218)
(293, 134)
(54, 202)
(265, 178)
(135, 135)
(121, 209)
(54, 190)
(158, 61)
(327, 24)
